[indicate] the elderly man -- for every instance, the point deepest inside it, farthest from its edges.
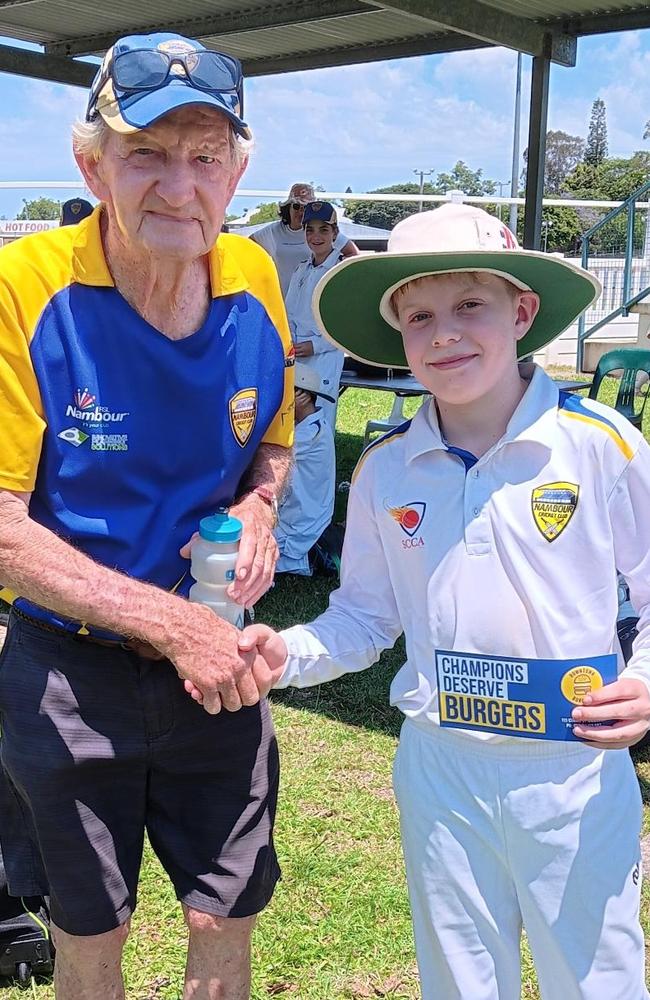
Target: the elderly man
(145, 379)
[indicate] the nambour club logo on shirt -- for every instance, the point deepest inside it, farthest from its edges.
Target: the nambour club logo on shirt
(409, 517)
(242, 408)
(83, 399)
(553, 506)
(85, 408)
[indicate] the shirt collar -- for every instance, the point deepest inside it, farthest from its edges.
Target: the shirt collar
(89, 266)
(324, 262)
(226, 276)
(534, 420)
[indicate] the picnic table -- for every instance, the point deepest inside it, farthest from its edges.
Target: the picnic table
(403, 384)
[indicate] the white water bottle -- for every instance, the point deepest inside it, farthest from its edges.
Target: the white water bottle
(214, 555)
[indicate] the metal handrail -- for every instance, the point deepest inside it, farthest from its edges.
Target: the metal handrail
(628, 300)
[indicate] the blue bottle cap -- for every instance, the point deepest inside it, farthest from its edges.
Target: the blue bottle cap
(220, 527)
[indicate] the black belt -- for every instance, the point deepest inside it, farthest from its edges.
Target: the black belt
(142, 649)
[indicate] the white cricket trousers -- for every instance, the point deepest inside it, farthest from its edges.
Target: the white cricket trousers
(543, 834)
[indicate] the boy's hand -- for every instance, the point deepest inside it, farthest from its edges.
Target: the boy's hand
(272, 654)
(268, 666)
(626, 703)
(304, 349)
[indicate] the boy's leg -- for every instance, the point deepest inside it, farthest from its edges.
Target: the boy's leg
(466, 916)
(573, 840)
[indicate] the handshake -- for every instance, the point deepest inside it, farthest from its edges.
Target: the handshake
(268, 653)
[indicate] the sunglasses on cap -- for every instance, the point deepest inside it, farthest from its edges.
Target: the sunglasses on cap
(149, 69)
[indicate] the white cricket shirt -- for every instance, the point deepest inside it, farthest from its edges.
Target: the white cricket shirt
(458, 560)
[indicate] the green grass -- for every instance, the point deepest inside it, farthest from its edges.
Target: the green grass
(339, 926)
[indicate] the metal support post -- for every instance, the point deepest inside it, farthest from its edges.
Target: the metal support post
(536, 152)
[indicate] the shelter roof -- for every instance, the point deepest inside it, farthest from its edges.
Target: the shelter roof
(305, 34)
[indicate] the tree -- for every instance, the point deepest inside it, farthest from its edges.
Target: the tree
(266, 212)
(385, 214)
(612, 180)
(563, 153)
(463, 178)
(596, 148)
(40, 208)
(561, 229)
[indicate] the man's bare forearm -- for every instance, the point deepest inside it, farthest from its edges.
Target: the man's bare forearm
(37, 564)
(270, 468)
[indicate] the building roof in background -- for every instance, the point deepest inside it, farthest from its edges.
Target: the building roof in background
(353, 230)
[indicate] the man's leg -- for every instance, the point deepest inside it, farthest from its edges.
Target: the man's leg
(219, 957)
(89, 967)
(213, 789)
(75, 758)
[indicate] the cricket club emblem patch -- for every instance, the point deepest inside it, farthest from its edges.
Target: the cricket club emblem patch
(553, 507)
(409, 517)
(243, 414)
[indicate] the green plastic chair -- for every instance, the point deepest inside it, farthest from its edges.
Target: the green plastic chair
(631, 361)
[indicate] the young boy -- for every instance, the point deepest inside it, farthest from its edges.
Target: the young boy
(284, 240)
(312, 349)
(308, 505)
(493, 523)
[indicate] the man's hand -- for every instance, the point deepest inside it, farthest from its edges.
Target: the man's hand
(626, 703)
(305, 349)
(268, 666)
(258, 551)
(204, 651)
(272, 655)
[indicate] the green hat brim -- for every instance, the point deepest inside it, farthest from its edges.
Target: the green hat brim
(346, 299)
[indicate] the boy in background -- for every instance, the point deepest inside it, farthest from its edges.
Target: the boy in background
(313, 349)
(489, 529)
(284, 240)
(308, 505)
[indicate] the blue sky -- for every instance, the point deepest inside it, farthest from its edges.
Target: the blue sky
(366, 126)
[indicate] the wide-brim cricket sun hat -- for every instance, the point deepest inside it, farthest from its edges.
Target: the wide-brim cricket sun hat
(129, 110)
(352, 302)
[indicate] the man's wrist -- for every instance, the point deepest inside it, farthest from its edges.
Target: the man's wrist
(268, 497)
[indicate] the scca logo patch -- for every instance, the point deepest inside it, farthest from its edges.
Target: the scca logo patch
(243, 414)
(409, 517)
(553, 506)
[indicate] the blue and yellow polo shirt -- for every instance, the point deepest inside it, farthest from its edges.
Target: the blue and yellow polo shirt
(124, 437)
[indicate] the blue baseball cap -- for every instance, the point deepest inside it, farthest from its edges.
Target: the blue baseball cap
(321, 210)
(133, 89)
(74, 210)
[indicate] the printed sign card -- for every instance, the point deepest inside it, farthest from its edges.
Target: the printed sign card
(515, 697)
